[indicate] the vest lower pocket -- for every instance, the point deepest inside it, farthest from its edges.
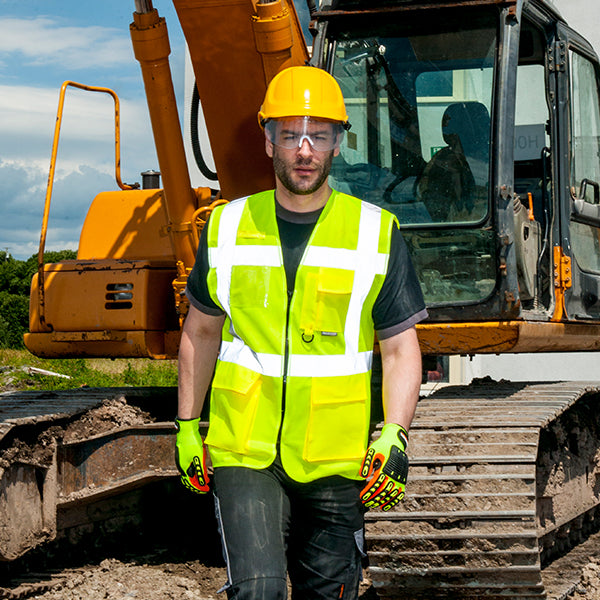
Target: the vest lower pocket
(234, 402)
(338, 422)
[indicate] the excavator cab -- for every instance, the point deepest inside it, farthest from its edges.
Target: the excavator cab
(476, 123)
(461, 126)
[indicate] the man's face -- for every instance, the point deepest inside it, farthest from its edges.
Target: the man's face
(297, 147)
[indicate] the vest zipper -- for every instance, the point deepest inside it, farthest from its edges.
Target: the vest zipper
(286, 357)
(286, 351)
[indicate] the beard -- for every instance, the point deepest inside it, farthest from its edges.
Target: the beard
(284, 170)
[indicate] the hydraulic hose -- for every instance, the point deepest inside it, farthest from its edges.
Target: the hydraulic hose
(200, 162)
(312, 7)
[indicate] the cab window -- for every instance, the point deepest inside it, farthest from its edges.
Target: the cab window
(585, 162)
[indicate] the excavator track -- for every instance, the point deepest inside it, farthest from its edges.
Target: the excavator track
(72, 458)
(504, 479)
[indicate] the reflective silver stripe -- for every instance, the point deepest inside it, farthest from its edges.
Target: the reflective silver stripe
(258, 256)
(300, 365)
(239, 353)
(369, 262)
(251, 256)
(222, 256)
(333, 258)
(337, 365)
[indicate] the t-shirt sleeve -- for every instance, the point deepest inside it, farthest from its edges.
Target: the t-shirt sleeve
(197, 286)
(400, 303)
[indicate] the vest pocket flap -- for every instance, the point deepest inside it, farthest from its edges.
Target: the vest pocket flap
(335, 390)
(235, 397)
(335, 281)
(235, 378)
(334, 289)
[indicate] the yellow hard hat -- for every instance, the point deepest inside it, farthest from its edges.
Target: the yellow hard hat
(303, 92)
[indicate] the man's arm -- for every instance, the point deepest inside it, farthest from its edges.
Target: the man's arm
(198, 351)
(385, 465)
(401, 363)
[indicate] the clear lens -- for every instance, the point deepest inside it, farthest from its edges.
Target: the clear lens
(291, 133)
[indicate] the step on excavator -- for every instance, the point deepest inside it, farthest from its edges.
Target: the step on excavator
(477, 123)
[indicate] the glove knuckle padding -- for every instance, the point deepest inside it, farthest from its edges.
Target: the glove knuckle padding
(396, 465)
(367, 462)
(200, 470)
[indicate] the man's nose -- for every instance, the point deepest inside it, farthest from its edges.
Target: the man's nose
(305, 148)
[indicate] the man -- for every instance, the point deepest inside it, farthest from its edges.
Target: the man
(287, 291)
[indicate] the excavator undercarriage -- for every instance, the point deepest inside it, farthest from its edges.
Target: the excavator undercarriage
(503, 482)
(68, 457)
(504, 479)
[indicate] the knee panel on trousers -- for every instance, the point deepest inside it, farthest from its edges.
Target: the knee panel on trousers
(271, 588)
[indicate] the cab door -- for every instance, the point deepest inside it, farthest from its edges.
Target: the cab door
(579, 266)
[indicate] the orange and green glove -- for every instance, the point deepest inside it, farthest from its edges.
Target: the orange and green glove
(190, 455)
(386, 467)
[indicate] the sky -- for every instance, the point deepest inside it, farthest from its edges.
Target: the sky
(43, 44)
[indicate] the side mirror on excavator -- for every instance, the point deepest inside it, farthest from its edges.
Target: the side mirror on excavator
(583, 209)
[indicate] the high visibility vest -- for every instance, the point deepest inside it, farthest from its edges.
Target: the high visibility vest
(295, 372)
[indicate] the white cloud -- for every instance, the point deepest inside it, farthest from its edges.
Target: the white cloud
(45, 41)
(27, 119)
(26, 115)
(22, 197)
(85, 114)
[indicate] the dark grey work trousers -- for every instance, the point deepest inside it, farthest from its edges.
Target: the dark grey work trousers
(272, 526)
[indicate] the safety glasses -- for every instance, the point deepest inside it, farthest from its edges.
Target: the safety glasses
(291, 133)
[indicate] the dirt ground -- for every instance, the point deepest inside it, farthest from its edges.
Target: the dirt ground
(114, 579)
(151, 577)
(590, 582)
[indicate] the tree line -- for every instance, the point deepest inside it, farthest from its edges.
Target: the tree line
(15, 283)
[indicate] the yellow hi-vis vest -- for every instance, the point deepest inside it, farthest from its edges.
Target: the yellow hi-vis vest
(295, 371)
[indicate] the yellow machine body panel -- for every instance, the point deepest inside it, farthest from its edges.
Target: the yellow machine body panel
(496, 337)
(116, 303)
(126, 224)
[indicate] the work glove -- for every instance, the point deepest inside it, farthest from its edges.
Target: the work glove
(385, 465)
(190, 456)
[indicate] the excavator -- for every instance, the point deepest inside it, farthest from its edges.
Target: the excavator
(477, 123)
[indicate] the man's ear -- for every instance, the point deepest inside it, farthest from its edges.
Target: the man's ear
(268, 147)
(336, 151)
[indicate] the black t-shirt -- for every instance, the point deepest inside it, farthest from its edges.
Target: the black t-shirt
(398, 306)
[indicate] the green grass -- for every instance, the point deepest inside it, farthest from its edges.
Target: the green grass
(82, 372)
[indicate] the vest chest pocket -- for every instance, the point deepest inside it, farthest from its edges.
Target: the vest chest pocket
(234, 402)
(251, 286)
(338, 423)
(326, 300)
